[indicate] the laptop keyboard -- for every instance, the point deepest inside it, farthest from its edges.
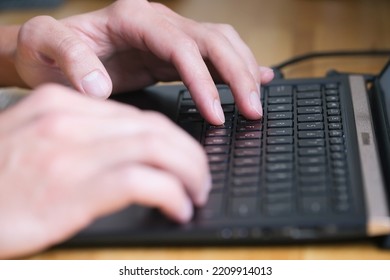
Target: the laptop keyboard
(292, 162)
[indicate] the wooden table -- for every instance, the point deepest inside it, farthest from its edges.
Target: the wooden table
(275, 30)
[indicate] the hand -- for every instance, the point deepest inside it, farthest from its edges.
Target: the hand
(134, 43)
(66, 159)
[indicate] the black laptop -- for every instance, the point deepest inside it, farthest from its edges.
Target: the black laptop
(315, 168)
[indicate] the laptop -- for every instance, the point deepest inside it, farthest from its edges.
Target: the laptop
(314, 169)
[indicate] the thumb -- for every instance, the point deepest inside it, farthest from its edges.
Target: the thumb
(55, 44)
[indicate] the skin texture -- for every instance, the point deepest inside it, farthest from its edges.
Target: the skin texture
(67, 158)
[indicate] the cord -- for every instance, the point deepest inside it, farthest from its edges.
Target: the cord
(326, 54)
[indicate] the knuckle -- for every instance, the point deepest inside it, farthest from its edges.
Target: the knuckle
(44, 97)
(33, 25)
(225, 29)
(72, 49)
(158, 119)
(51, 125)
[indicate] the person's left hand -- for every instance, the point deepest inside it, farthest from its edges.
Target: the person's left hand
(134, 43)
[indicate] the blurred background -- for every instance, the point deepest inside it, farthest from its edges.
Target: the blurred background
(275, 29)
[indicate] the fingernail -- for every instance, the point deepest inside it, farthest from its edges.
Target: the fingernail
(95, 84)
(187, 212)
(205, 194)
(267, 73)
(218, 111)
(254, 99)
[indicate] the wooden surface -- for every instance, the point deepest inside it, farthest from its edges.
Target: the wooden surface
(275, 30)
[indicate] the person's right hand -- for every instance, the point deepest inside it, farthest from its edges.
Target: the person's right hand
(66, 159)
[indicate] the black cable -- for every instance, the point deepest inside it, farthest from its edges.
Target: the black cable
(326, 54)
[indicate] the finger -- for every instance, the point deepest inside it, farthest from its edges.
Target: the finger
(236, 73)
(266, 74)
(184, 160)
(50, 100)
(170, 44)
(126, 185)
(57, 46)
(184, 54)
(230, 56)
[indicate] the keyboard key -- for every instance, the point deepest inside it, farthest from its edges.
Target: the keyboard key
(279, 176)
(310, 118)
(315, 151)
(310, 87)
(280, 149)
(335, 133)
(248, 143)
(310, 110)
(243, 206)
(245, 181)
(278, 209)
(329, 92)
(248, 135)
(217, 149)
(311, 143)
(249, 152)
(277, 140)
(333, 98)
(244, 191)
(278, 197)
(220, 167)
(280, 131)
(311, 181)
(333, 112)
(311, 134)
(215, 132)
(311, 126)
(280, 157)
(310, 170)
(217, 141)
(309, 102)
(333, 126)
(250, 127)
(336, 140)
(332, 105)
(280, 116)
(331, 86)
(251, 161)
(314, 205)
(280, 123)
(337, 148)
(308, 95)
(277, 167)
(334, 119)
(279, 187)
(279, 100)
(280, 91)
(312, 160)
(217, 158)
(280, 108)
(244, 171)
(313, 190)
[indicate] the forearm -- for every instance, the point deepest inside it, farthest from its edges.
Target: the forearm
(8, 43)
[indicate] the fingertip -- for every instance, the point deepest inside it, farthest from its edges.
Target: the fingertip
(254, 99)
(97, 84)
(186, 213)
(266, 74)
(218, 112)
